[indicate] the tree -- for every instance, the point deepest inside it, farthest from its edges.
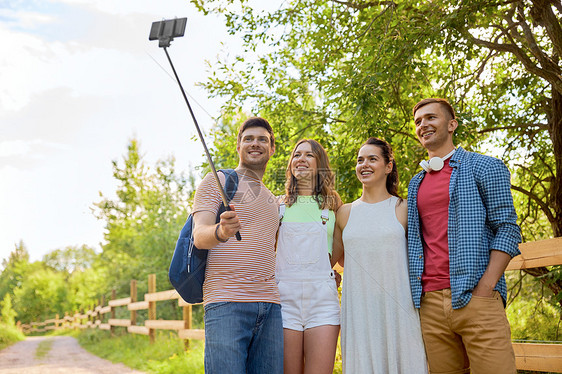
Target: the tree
(70, 259)
(345, 70)
(143, 222)
(8, 313)
(41, 295)
(14, 269)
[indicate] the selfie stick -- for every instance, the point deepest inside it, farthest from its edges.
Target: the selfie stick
(165, 31)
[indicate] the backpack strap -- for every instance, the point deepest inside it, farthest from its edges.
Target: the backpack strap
(230, 183)
(230, 188)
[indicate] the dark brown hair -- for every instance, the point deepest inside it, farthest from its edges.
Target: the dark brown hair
(324, 181)
(388, 156)
(257, 122)
(443, 102)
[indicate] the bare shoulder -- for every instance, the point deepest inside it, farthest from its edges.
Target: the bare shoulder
(342, 215)
(402, 212)
(402, 204)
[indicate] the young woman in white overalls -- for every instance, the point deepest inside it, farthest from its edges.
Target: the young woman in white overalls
(309, 297)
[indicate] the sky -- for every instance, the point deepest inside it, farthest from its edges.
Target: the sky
(78, 80)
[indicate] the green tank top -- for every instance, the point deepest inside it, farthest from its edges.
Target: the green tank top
(306, 209)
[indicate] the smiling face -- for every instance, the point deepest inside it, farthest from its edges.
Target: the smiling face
(371, 167)
(435, 128)
(254, 148)
(303, 163)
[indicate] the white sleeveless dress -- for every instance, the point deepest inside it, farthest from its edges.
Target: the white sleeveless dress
(380, 327)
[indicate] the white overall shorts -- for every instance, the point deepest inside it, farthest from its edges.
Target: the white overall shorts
(309, 296)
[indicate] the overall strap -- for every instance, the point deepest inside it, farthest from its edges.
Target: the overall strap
(325, 216)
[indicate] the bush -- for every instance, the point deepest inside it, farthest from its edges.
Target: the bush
(9, 335)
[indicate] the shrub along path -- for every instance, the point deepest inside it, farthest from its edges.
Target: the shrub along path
(65, 356)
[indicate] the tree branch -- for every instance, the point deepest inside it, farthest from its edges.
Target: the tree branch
(553, 79)
(544, 206)
(545, 163)
(545, 61)
(540, 126)
(391, 5)
(537, 180)
(366, 5)
(555, 285)
(542, 14)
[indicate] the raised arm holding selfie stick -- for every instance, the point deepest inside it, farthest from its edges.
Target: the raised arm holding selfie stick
(243, 325)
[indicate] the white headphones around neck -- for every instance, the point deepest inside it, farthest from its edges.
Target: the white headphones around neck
(435, 163)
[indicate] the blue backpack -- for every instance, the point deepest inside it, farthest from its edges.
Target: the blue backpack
(187, 270)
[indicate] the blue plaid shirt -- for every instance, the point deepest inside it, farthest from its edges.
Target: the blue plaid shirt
(481, 218)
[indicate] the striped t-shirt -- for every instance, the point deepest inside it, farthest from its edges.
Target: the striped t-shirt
(242, 271)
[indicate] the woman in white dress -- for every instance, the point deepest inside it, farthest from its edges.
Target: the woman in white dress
(309, 297)
(380, 327)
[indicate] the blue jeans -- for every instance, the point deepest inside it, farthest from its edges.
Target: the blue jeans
(243, 338)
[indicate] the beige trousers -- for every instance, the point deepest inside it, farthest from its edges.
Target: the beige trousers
(476, 338)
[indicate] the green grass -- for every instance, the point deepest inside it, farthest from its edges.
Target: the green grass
(64, 332)
(43, 348)
(166, 355)
(9, 335)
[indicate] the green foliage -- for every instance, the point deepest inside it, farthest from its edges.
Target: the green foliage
(9, 335)
(8, 314)
(84, 288)
(70, 259)
(14, 269)
(166, 356)
(142, 223)
(41, 295)
(532, 312)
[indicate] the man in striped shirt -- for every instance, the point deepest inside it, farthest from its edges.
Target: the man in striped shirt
(462, 233)
(243, 326)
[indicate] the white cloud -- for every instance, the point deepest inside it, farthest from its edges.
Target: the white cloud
(26, 147)
(24, 19)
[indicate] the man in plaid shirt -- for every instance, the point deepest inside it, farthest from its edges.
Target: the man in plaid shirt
(462, 233)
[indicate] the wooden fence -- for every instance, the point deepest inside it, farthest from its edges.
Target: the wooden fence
(529, 356)
(93, 318)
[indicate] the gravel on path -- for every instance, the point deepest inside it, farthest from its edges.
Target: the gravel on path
(65, 357)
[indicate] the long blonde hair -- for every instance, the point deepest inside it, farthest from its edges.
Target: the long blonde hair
(324, 180)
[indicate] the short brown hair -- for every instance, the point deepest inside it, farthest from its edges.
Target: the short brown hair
(443, 102)
(257, 122)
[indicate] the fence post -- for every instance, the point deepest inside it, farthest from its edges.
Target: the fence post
(112, 328)
(133, 300)
(187, 314)
(151, 305)
(91, 317)
(102, 304)
(56, 321)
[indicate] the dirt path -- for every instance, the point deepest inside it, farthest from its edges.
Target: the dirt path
(65, 357)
